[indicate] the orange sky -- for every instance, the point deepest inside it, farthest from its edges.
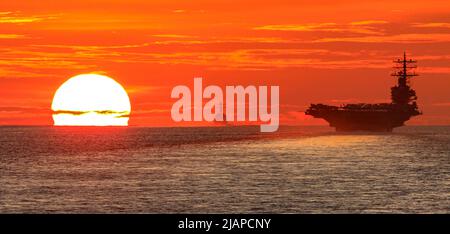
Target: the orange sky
(316, 51)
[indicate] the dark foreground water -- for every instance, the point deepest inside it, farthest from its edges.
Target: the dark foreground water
(234, 169)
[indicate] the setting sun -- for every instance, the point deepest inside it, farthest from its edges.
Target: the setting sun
(91, 100)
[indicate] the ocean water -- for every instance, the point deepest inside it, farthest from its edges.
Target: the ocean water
(223, 169)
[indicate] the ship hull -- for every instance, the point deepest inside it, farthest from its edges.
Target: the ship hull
(349, 121)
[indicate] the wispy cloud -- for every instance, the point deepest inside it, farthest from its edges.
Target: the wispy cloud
(145, 89)
(431, 25)
(179, 11)
(14, 72)
(100, 112)
(45, 61)
(92, 47)
(11, 36)
(173, 36)
(211, 41)
(398, 38)
(369, 22)
(17, 18)
(23, 109)
(361, 27)
(299, 27)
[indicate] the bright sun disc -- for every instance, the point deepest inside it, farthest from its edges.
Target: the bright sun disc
(91, 100)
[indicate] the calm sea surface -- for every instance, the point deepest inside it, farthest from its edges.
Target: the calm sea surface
(223, 169)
